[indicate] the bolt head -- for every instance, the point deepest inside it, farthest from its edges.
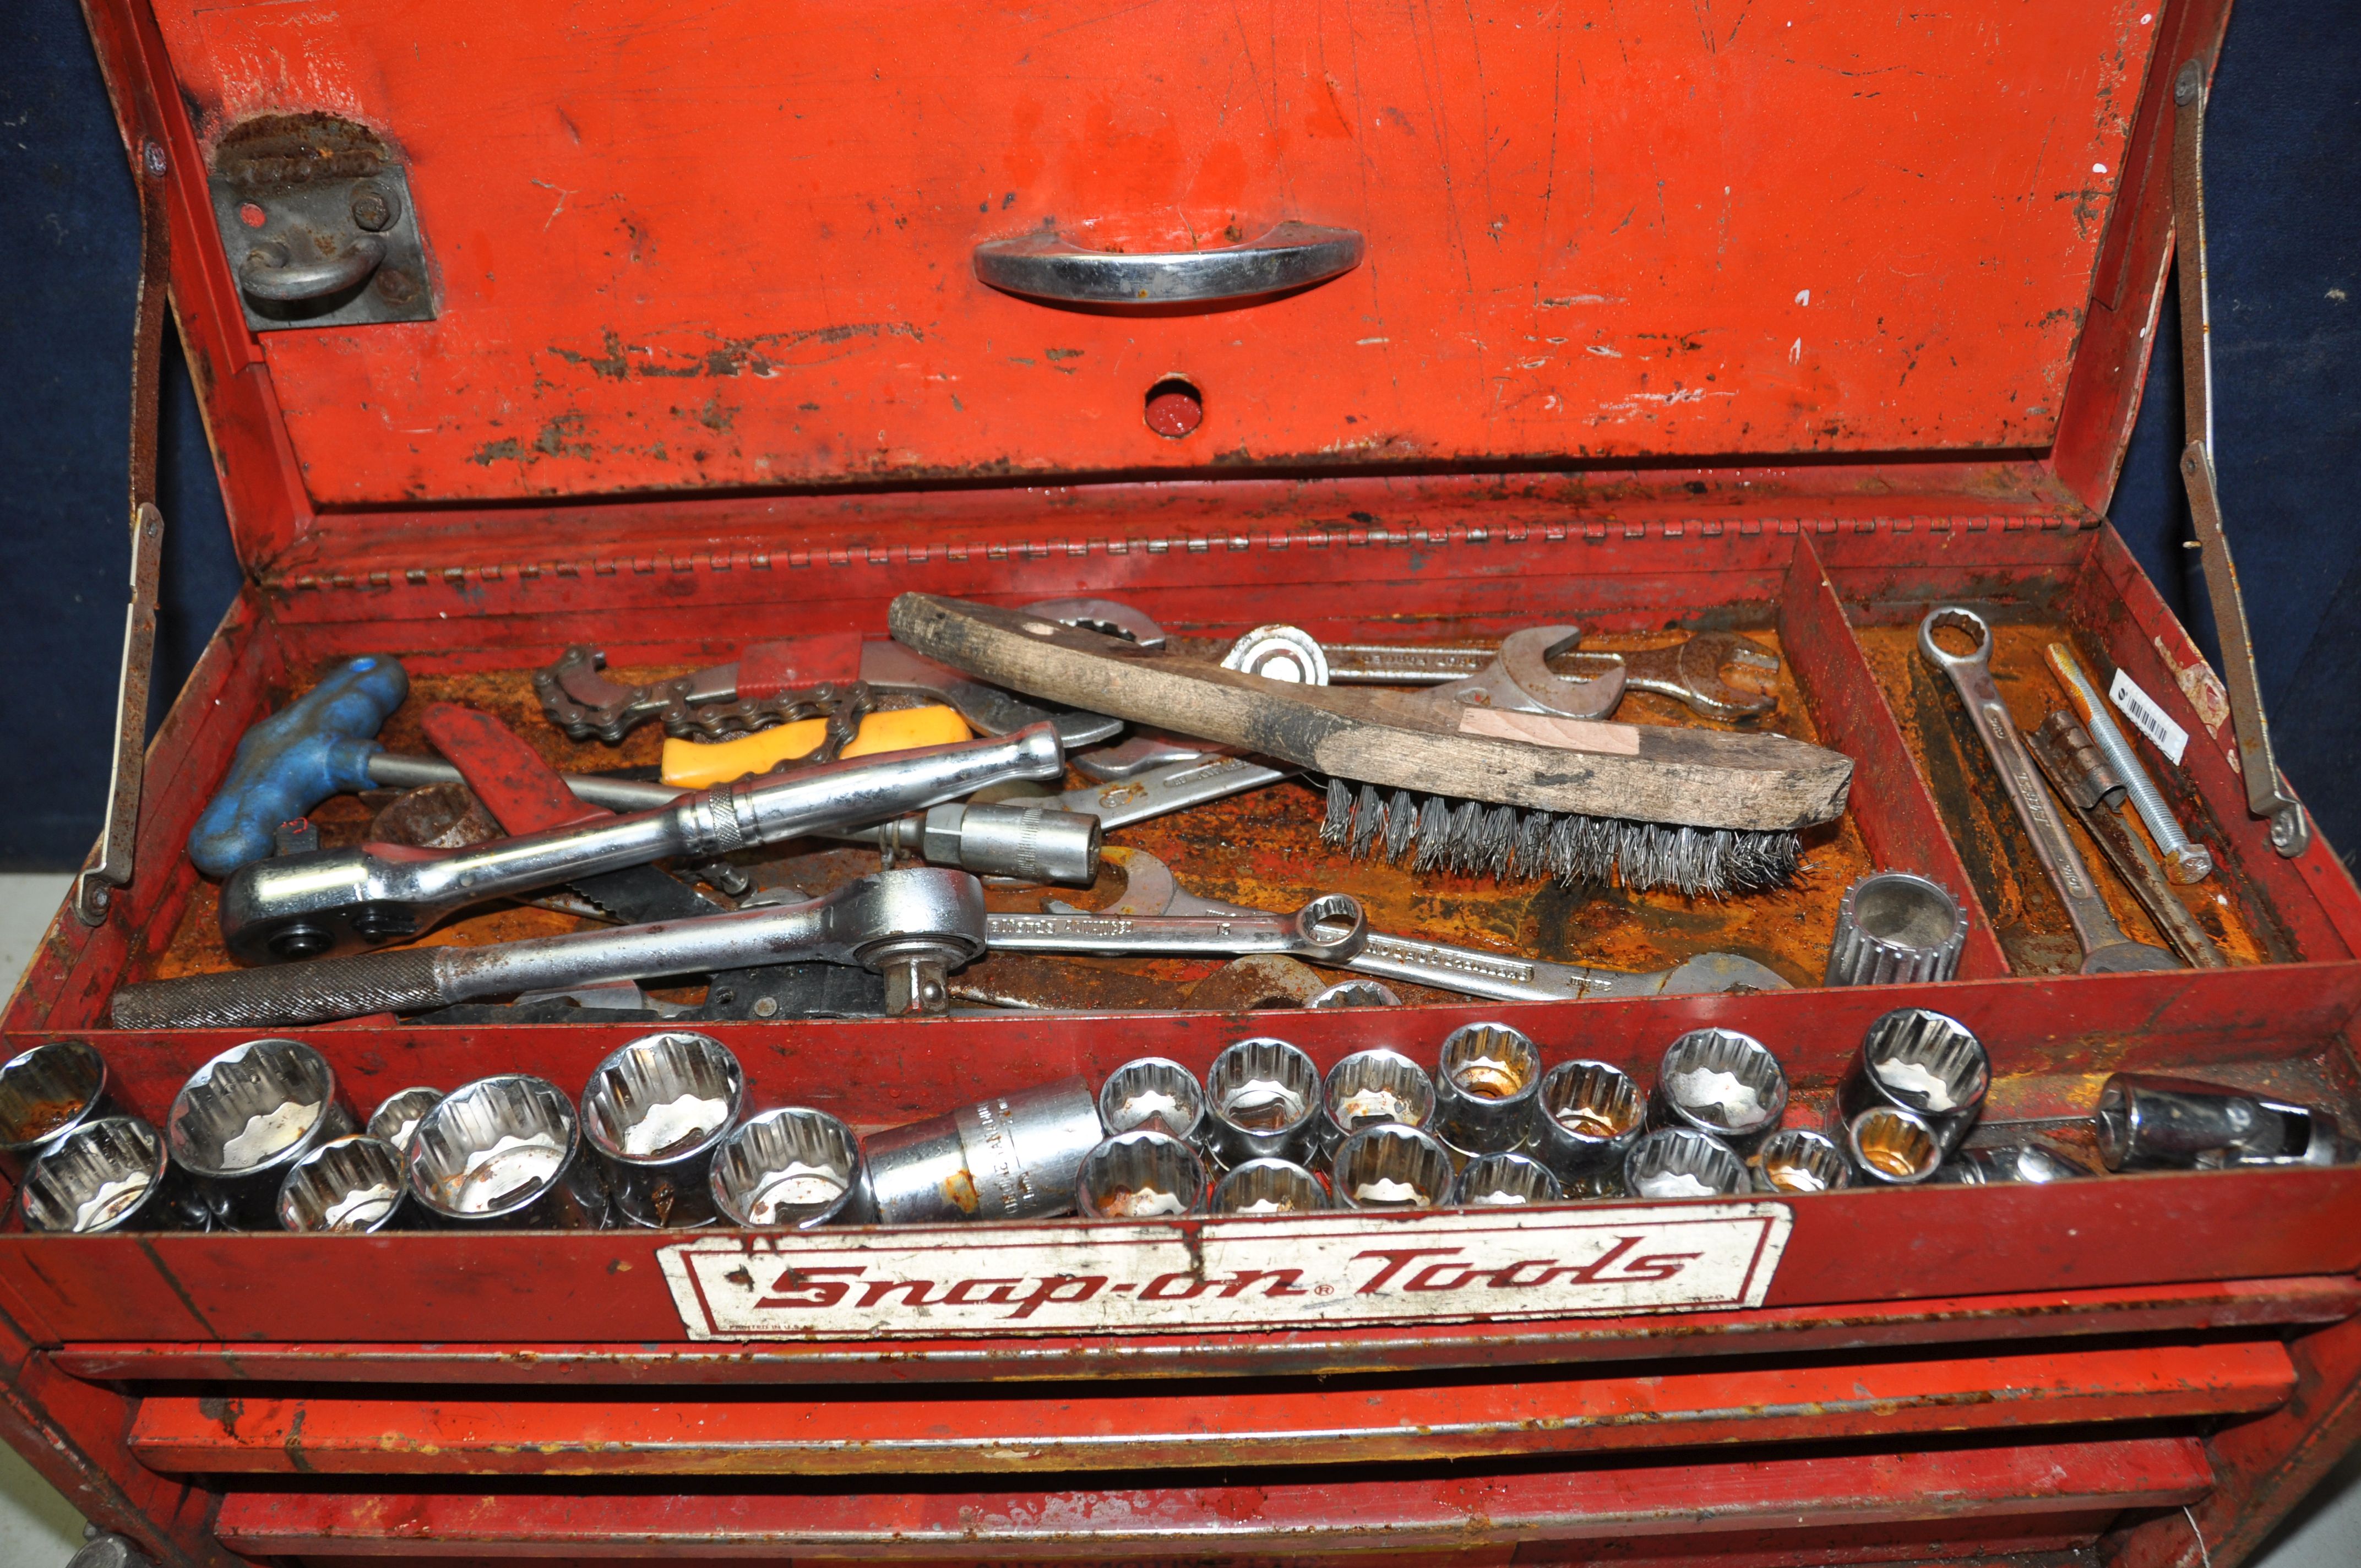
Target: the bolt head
(373, 209)
(151, 156)
(399, 288)
(2190, 863)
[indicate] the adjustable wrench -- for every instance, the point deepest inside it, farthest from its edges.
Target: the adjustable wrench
(2105, 949)
(910, 926)
(1149, 890)
(302, 905)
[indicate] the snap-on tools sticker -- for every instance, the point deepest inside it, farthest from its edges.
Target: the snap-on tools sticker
(2148, 715)
(1337, 1270)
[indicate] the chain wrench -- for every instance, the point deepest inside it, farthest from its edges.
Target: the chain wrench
(1150, 889)
(1517, 674)
(2105, 949)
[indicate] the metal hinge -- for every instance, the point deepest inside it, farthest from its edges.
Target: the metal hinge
(318, 224)
(2267, 791)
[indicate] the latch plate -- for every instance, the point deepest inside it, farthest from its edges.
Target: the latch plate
(318, 224)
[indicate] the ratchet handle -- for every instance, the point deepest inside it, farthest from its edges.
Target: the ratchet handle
(407, 980)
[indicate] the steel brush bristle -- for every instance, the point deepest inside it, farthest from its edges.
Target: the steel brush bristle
(1467, 836)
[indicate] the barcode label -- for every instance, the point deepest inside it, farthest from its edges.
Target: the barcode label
(2148, 716)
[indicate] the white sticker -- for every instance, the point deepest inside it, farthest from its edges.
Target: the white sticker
(1315, 1270)
(2148, 716)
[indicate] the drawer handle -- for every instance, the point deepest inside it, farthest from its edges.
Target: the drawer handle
(1050, 267)
(271, 274)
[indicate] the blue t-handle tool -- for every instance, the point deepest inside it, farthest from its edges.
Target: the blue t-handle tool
(316, 746)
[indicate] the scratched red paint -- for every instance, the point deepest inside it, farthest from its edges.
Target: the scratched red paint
(721, 246)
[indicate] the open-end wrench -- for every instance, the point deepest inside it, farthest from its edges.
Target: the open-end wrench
(2105, 949)
(1512, 676)
(1150, 889)
(910, 926)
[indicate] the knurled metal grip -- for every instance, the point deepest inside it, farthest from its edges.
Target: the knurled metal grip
(404, 980)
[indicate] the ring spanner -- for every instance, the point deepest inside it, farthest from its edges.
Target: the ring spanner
(300, 905)
(2105, 949)
(1149, 890)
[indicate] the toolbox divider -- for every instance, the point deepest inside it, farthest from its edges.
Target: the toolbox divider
(2068, 1486)
(1899, 820)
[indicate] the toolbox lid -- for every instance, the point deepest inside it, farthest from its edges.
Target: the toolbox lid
(699, 248)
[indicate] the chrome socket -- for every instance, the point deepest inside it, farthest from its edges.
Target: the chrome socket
(1506, 1180)
(397, 1120)
(1796, 1159)
(1893, 928)
(45, 1094)
(1488, 1081)
(1920, 1060)
(1681, 1162)
(1154, 1094)
(1355, 992)
(244, 1119)
(1269, 1187)
(1262, 1100)
(2037, 1164)
(1893, 1147)
(1370, 1087)
(108, 1175)
(505, 1154)
(2151, 1123)
(1015, 1158)
(793, 1170)
(1590, 1116)
(1722, 1083)
(1140, 1175)
(653, 1112)
(353, 1185)
(1392, 1167)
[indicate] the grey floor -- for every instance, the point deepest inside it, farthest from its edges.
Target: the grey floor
(38, 1527)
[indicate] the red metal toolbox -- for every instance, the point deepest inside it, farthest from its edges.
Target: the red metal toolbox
(1669, 317)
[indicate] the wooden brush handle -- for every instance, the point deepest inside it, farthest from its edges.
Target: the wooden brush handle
(1702, 778)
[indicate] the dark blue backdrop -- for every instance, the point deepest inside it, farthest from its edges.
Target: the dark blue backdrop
(2287, 238)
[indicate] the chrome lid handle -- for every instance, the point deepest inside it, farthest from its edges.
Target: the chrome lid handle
(1049, 267)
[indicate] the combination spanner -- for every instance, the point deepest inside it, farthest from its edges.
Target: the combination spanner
(2105, 949)
(1150, 889)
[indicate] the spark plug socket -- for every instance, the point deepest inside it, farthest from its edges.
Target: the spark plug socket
(45, 1093)
(505, 1153)
(242, 1121)
(353, 1185)
(1488, 1081)
(794, 1169)
(653, 1112)
(1013, 1157)
(1140, 1175)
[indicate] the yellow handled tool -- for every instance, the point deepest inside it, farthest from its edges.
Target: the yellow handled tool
(692, 764)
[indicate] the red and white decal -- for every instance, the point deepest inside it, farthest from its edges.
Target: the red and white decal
(1320, 1270)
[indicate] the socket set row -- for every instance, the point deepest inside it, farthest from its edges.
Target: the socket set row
(261, 1137)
